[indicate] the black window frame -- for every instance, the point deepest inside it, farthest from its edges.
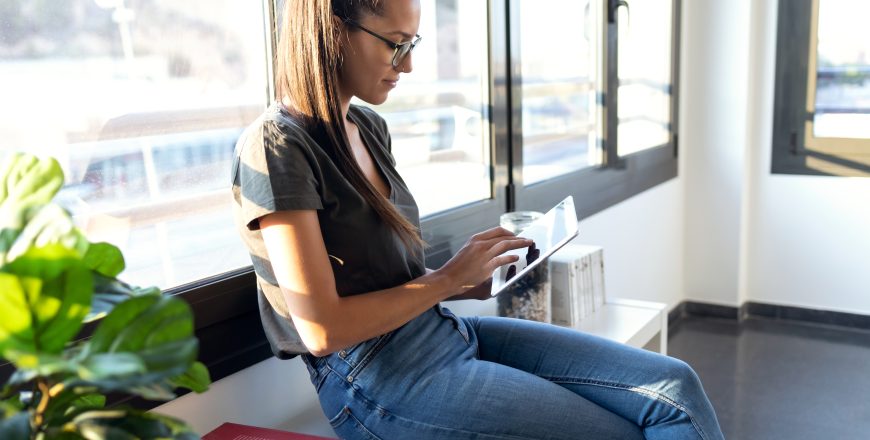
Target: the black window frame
(225, 307)
(792, 151)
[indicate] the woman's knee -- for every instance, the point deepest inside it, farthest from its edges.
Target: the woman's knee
(680, 376)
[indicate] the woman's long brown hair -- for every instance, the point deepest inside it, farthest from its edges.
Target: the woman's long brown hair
(308, 59)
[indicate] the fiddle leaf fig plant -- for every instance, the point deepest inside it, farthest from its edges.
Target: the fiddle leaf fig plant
(52, 282)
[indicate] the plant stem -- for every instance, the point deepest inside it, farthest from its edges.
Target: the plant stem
(44, 397)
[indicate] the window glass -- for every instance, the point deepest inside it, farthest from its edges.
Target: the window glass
(644, 105)
(842, 86)
(437, 115)
(558, 54)
(142, 102)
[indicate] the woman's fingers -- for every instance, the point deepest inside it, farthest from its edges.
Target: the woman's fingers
(502, 260)
(488, 234)
(505, 245)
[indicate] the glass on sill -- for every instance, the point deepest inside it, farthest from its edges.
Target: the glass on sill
(529, 297)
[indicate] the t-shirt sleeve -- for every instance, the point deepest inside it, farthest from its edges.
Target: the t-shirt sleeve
(276, 172)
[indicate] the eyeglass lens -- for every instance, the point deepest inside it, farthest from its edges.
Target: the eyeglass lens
(402, 51)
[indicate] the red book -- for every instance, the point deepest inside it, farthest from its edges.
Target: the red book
(234, 431)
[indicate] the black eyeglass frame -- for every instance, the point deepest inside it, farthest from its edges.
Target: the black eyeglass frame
(398, 48)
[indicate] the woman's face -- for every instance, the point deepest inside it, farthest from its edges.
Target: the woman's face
(367, 71)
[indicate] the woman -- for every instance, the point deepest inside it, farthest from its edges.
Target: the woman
(334, 237)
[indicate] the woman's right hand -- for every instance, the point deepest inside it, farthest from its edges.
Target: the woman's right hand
(480, 256)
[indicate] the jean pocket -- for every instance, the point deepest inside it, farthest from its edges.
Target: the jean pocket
(363, 353)
(457, 323)
(347, 426)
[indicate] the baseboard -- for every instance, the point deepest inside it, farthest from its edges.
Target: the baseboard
(768, 311)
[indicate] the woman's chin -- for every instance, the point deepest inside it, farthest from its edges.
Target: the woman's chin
(374, 98)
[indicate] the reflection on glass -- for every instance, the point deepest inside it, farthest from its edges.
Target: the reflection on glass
(644, 76)
(842, 95)
(437, 113)
(142, 106)
(559, 53)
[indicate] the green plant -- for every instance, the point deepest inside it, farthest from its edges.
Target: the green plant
(52, 282)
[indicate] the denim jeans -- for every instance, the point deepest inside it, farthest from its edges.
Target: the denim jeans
(444, 377)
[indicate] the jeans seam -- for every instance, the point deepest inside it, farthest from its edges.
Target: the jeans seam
(370, 354)
(360, 424)
(475, 324)
(635, 389)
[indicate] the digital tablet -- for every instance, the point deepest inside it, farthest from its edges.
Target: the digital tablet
(550, 232)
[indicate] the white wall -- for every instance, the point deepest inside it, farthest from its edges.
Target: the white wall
(750, 235)
(809, 241)
(713, 92)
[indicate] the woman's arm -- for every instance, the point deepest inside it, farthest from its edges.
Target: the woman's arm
(326, 322)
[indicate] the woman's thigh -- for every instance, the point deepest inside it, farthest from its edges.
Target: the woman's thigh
(428, 382)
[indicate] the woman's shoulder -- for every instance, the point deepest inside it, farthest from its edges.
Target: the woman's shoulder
(275, 134)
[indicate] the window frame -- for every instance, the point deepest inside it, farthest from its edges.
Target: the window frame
(225, 308)
(795, 150)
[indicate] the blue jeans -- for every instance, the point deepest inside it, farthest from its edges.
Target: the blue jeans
(444, 377)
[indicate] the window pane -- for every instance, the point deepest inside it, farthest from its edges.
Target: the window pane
(644, 75)
(559, 55)
(437, 114)
(842, 96)
(141, 102)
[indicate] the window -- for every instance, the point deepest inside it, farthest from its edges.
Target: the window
(594, 105)
(822, 101)
(142, 103)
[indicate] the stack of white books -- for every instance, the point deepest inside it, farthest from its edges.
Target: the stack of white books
(577, 283)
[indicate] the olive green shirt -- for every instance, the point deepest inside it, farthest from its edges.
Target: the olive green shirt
(279, 166)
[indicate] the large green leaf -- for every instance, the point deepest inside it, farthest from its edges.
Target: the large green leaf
(105, 259)
(16, 333)
(26, 179)
(45, 295)
(196, 378)
(103, 365)
(157, 331)
(45, 225)
(25, 183)
(143, 322)
(128, 423)
(109, 292)
(74, 290)
(70, 403)
(121, 316)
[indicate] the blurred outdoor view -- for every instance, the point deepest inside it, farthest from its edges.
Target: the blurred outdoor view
(559, 56)
(842, 95)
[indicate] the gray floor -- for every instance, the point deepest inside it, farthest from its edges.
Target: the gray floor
(772, 379)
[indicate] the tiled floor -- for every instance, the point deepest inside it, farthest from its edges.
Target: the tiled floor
(773, 380)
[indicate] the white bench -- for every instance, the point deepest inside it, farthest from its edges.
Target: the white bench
(641, 324)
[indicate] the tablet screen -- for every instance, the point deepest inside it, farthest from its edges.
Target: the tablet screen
(550, 232)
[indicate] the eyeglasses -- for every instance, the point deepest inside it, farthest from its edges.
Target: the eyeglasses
(400, 50)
